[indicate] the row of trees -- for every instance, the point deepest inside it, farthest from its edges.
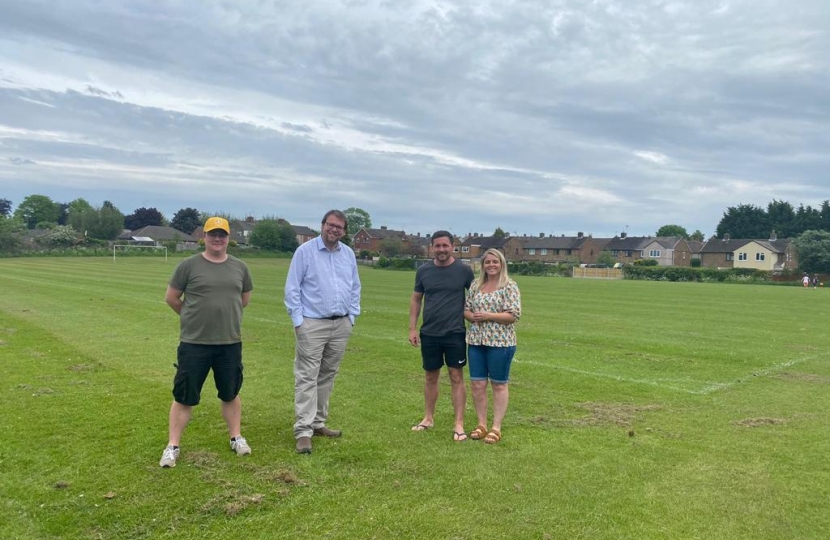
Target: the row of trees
(71, 223)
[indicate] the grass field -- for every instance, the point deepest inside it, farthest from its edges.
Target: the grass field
(638, 411)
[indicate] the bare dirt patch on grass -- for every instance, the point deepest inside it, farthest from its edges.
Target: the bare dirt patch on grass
(619, 414)
(802, 377)
(760, 422)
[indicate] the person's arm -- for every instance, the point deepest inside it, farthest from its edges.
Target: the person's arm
(354, 305)
(173, 297)
(414, 312)
(293, 282)
(246, 297)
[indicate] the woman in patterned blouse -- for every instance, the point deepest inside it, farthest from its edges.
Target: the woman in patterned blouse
(493, 305)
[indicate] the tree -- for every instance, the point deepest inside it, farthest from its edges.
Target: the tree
(76, 210)
(5, 208)
(697, 235)
(813, 249)
(605, 257)
(672, 230)
(781, 218)
(391, 247)
(186, 220)
(806, 219)
(10, 229)
(744, 221)
(142, 217)
(104, 223)
(499, 233)
(357, 218)
(38, 209)
(274, 235)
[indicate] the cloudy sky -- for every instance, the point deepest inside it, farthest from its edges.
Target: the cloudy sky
(551, 116)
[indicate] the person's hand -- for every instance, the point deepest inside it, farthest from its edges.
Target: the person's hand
(480, 316)
(414, 338)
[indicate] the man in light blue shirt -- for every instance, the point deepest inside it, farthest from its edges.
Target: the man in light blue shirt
(322, 296)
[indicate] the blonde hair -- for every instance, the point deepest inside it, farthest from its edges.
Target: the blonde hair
(504, 279)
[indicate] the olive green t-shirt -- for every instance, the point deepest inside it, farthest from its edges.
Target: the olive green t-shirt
(212, 306)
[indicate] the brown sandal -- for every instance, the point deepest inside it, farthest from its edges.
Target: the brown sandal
(478, 433)
(493, 436)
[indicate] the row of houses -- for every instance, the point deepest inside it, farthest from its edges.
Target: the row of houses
(770, 254)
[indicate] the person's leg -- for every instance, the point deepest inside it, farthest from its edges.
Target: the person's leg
(500, 398)
(227, 376)
(192, 367)
(430, 399)
(333, 353)
(432, 360)
(500, 360)
(232, 413)
(478, 382)
(459, 397)
(179, 418)
(311, 339)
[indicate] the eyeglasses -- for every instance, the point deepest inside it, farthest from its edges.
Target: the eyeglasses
(335, 227)
(217, 234)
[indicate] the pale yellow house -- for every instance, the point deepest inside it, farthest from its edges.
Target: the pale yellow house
(765, 255)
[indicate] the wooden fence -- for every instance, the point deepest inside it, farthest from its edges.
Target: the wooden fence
(597, 273)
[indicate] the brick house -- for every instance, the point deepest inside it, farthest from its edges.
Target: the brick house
(668, 251)
(556, 249)
(771, 255)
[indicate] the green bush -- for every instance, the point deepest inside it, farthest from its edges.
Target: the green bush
(704, 275)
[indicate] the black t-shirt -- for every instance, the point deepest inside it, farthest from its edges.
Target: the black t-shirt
(444, 290)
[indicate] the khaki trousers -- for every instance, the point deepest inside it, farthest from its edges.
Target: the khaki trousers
(320, 346)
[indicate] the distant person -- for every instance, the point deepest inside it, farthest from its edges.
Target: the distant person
(322, 295)
(805, 281)
(815, 281)
(208, 291)
(441, 284)
(493, 305)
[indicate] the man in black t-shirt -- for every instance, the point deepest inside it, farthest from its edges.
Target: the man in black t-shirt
(440, 285)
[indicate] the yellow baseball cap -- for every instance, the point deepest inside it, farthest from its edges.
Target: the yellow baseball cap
(214, 223)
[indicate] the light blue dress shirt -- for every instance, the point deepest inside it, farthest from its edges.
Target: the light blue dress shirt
(322, 283)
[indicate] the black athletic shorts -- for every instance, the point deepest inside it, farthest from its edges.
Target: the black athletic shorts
(449, 350)
(193, 364)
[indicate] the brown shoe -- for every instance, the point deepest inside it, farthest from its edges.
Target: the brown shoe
(304, 445)
(326, 432)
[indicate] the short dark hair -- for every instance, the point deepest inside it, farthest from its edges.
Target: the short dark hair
(440, 234)
(339, 215)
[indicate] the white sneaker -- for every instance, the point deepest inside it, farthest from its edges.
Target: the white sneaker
(169, 457)
(240, 446)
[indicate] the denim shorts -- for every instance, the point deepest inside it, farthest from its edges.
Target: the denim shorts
(490, 363)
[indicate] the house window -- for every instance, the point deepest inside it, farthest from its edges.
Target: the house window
(543, 251)
(615, 253)
(465, 249)
(455, 249)
(760, 257)
(531, 251)
(654, 253)
(730, 256)
(556, 252)
(742, 256)
(569, 252)
(628, 253)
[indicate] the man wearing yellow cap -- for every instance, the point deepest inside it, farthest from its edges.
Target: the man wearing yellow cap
(208, 291)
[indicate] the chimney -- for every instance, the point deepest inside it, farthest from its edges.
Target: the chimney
(419, 234)
(383, 227)
(541, 235)
(623, 234)
(726, 237)
(579, 234)
(249, 219)
(773, 237)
